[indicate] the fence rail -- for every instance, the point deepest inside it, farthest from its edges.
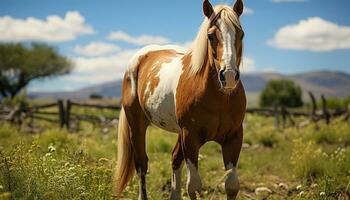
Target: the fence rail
(64, 116)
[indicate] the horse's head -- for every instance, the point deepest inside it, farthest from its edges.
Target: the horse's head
(225, 37)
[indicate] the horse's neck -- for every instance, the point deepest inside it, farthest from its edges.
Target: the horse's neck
(209, 74)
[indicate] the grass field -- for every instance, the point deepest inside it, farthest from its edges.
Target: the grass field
(291, 164)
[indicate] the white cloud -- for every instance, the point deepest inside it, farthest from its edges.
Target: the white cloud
(287, 1)
(139, 40)
(313, 34)
(53, 29)
(96, 49)
(101, 68)
(248, 11)
(248, 65)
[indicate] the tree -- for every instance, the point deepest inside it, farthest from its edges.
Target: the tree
(19, 65)
(281, 93)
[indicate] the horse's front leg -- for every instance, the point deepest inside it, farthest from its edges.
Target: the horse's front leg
(191, 144)
(177, 160)
(231, 149)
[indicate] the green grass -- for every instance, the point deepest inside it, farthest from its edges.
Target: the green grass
(57, 164)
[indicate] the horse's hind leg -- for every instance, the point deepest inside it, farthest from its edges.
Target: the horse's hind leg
(138, 125)
(231, 149)
(177, 160)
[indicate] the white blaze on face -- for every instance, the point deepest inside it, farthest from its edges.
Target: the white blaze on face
(229, 50)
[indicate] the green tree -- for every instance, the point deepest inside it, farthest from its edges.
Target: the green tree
(20, 64)
(281, 92)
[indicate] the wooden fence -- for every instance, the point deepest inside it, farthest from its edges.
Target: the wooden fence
(64, 115)
(314, 115)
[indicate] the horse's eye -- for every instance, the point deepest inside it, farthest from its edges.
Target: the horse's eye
(211, 36)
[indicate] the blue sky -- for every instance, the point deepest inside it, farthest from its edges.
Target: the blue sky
(287, 36)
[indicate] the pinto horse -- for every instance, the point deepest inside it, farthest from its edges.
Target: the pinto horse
(196, 93)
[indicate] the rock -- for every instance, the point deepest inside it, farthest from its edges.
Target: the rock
(301, 194)
(245, 145)
(275, 186)
(298, 187)
(283, 186)
(105, 130)
(263, 192)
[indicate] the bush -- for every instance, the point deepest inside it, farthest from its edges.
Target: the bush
(282, 93)
(96, 96)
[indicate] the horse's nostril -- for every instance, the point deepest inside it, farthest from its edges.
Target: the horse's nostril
(237, 75)
(222, 76)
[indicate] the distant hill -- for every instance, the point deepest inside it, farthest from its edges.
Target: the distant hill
(329, 83)
(108, 89)
(335, 84)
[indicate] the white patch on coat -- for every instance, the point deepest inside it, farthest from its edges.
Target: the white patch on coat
(135, 61)
(232, 183)
(161, 103)
(147, 89)
(176, 184)
(133, 83)
(194, 183)
(229, 53)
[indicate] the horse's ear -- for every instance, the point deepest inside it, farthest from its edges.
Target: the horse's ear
(238, 7)
(207, 8)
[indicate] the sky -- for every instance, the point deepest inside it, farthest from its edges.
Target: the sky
(100, 37)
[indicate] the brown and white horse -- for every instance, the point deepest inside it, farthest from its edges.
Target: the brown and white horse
(197, 94)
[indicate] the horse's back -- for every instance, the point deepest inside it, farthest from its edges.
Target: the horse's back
(156, 71)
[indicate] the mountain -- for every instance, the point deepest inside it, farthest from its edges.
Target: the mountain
(108, 89)
(329, 83)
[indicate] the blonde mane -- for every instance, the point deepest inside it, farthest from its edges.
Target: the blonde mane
(199, 48)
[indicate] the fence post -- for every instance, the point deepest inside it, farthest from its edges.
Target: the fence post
(67, 114)
(313, 115)
(325, 112)
(61, 113)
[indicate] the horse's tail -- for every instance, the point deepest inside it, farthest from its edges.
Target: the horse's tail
(125, 164)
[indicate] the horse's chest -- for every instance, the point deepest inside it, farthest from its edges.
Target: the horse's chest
(160, 104)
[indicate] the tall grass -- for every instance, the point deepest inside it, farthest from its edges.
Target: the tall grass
(54, 168)
(57, 164)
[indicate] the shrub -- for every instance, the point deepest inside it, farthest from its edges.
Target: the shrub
(282, 93)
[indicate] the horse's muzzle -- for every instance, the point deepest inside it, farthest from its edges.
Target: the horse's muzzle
(229, 78)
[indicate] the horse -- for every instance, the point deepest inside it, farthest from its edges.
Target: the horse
(196, 93)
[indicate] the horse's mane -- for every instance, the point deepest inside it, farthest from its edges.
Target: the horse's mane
(199, 48)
